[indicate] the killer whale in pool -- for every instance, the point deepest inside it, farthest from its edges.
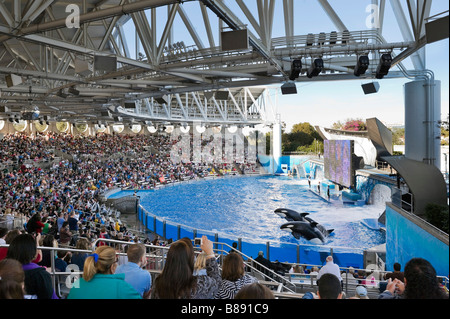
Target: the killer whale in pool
(301, 226)
(291, 215)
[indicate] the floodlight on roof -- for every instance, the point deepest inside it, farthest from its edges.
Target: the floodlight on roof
(296, 69)
(315, 68)
(362, 65)
(384, 65)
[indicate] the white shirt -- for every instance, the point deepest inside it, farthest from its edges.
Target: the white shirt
(330, 268)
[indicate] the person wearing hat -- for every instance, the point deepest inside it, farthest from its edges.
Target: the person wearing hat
(360, 293)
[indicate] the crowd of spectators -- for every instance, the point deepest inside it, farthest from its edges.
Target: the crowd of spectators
(60, 207)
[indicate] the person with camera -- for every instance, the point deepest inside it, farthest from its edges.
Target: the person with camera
(177, 280)
(420, 282)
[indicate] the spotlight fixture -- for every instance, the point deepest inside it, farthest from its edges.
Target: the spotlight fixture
(362, 65)
(13, 80)
(74, 91)
(62, 94)
(296, 69)
(315, 68)
(384, 66)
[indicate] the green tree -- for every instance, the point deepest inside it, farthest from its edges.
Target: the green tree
(398, 136)
(437, 215)
(301, 138)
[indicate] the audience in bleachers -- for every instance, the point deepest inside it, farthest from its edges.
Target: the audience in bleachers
(60, 202)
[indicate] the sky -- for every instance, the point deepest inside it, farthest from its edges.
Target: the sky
(324, 103)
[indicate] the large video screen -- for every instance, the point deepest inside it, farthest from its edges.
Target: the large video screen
(338, 162)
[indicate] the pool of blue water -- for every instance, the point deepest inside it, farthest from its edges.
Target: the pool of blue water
(243, 207)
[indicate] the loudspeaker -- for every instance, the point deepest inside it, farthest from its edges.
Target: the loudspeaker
(105, 63)
(221, 95)
(129, 105)
(162, 99)
(12, 80)
(357, 162)
(208, 95)
(370, 88)
(105, 114)
(234, 40)
(289, 88)
(83, 67)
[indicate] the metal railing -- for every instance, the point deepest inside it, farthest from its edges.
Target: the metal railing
(397, 200)
(285, 286)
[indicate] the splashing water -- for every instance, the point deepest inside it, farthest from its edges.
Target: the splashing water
(243, 207)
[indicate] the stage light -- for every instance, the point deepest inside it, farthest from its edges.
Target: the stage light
(362, 65)
(315, 68)
(13, 80)
(74, 91)
(296, 69)
(384, 66)
(62, 94)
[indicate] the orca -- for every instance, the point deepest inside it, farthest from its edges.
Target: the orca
(291, 215)
(311, 231)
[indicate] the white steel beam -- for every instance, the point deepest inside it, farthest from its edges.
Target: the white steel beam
(333, 15)
(406, 32)
(166, 32)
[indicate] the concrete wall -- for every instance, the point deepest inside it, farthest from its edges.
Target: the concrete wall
(408, 236)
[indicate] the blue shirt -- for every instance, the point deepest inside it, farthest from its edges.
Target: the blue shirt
(138, 278)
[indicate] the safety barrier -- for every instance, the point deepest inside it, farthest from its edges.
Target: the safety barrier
(283, 252)
(284, 287)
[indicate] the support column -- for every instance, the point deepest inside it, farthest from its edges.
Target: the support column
(276, 145)
(422, 116)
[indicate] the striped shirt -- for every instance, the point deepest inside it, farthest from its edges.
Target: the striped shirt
(228, 289)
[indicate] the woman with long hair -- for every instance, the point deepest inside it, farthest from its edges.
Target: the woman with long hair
(177, 280)
(99, 279)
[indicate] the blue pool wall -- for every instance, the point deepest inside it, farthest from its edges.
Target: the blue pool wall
(275, 251)
(408, 236)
